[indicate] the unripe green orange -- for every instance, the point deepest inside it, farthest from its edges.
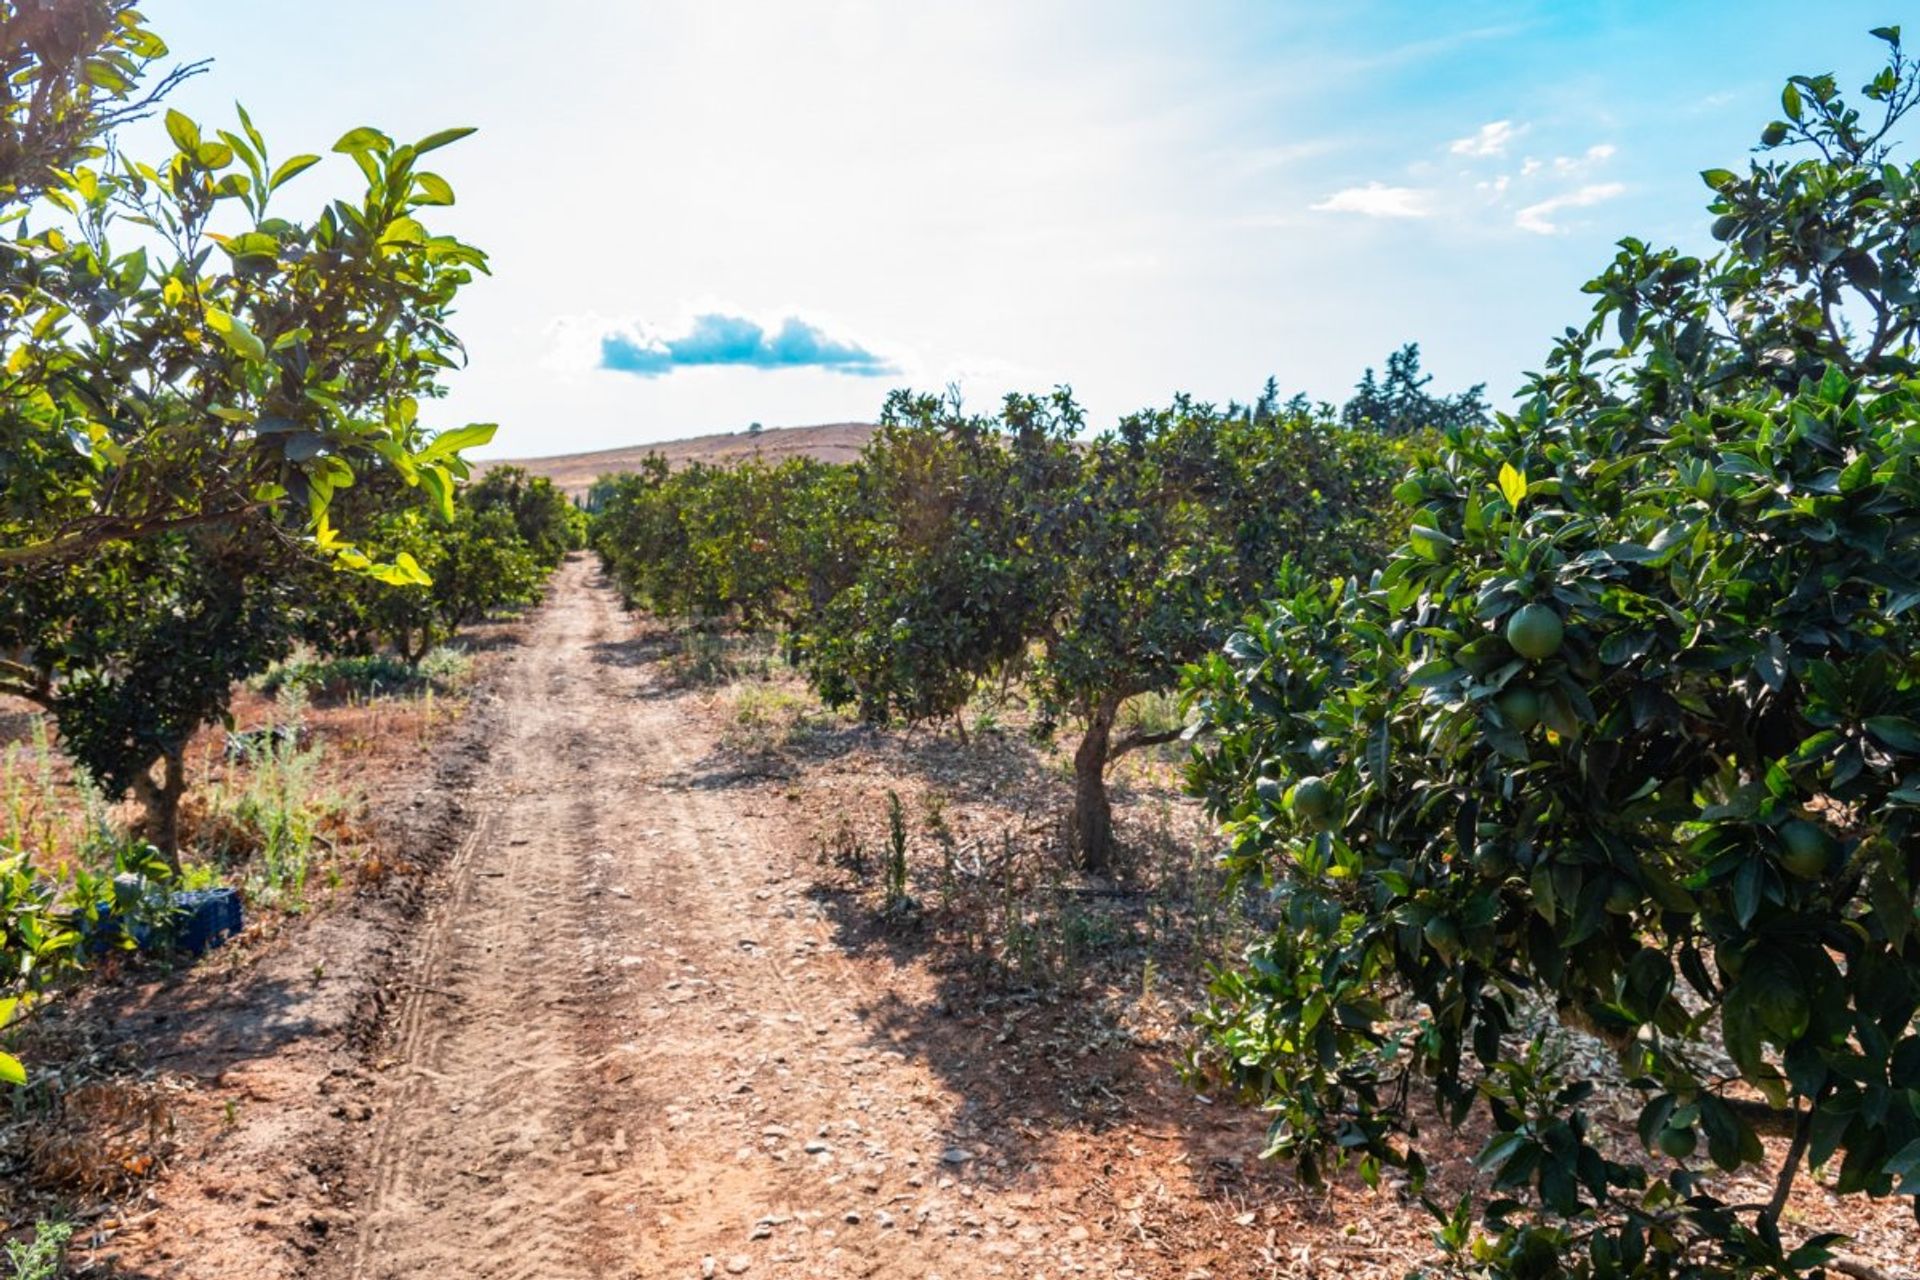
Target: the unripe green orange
(1535, 632)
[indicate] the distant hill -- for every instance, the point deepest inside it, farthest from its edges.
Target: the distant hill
(576, 472)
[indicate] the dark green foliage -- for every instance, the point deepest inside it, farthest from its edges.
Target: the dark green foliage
(1400, 403)
(1704, 796)
(764, 545)
(136, 651)
(961, 554)
(1179, 520)
(473, 566)
(543, 519)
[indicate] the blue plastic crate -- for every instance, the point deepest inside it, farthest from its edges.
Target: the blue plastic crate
(200, 920)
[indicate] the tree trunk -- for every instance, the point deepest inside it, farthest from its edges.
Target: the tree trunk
(1092, 813)
(160, 802)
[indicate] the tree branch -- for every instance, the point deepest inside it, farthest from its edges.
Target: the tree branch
(103, 529)
(23, 681)
(1802, 1134)
(1134, 741)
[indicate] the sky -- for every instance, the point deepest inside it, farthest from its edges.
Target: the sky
(703, 214)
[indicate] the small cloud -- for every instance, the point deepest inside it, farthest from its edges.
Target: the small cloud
(1489, 140)
(1377, 200)
(1537, 218)
(1598, 154)
(718, 339)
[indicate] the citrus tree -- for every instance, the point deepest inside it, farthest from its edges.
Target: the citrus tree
(960, 562)
(1625, 735)
(189, 380)
(543, 518)
(177, 351)
(1178, 521)
(763, 546)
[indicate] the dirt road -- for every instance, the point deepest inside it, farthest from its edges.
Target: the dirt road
(626, 1044)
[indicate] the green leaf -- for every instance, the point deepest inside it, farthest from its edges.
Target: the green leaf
(448, 443)
(1897, 732)
(184, 132)
(291, 169)
(431, 188)
(363, 140)
(439, 486)
(1513, 485)
(434, 141)
(239, 336)
(1790, 102)
(1718, 178)
(11, 1070)
(1905, 1165)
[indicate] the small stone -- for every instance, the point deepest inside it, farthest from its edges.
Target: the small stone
(852, 1218)
(816, 1147)
(738, 1264)
(707, 1268)
(956, 1155)
(1079, 1235)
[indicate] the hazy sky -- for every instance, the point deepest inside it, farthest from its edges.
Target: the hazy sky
(705, 214)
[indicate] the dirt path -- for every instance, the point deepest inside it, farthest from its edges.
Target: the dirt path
(627, 1045)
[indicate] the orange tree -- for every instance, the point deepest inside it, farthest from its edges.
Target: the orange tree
(178, 353)
(760, 545)
(543, 518)
(1626, 735)
(1178, 521)
(960, 560)
(1095, 569)
(187, 373)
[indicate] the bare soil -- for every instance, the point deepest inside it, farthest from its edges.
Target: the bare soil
(631, 1024)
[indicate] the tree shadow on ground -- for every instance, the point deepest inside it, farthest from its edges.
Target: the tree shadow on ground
(1049, 1063)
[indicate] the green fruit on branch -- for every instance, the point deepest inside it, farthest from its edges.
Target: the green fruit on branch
(1535, 632)
(1443, 936)
(1519, 707)
(1806, 849)
(1677, 1142)
(1313, 799)
(1491, 860)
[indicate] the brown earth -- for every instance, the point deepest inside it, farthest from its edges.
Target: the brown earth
(575, 472)
(632, 1026)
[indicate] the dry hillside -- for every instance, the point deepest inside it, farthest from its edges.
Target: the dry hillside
(576, 472)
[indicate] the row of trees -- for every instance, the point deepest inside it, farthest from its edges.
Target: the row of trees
(1626, 730)
(962, 548)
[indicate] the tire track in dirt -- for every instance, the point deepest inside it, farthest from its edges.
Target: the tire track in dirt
(626, 1043)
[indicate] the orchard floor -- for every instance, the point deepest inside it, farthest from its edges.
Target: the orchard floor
(624, 1031)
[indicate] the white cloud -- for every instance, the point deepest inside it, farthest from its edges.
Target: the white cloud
(1537, 218)
(1596, 155)
(1377, 200)
(1489, 140)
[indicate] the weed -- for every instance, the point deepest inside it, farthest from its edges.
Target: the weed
(844, 850)
(898, 900)
(274, 822)
(40, 1258)
(766, 716)
(366, 676)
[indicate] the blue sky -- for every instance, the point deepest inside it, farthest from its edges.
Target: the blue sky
(714, 212)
